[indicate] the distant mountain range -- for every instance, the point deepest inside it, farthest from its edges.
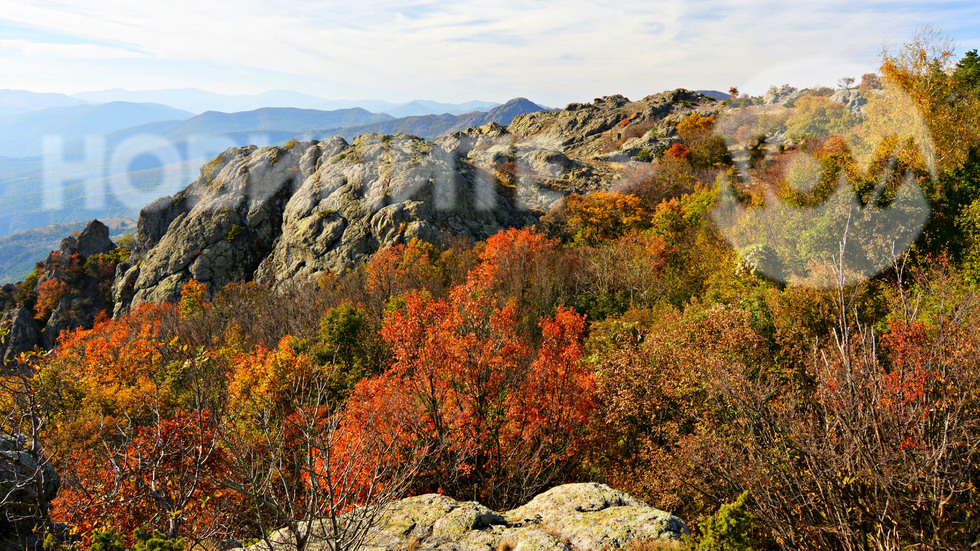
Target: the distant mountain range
(16, 102)
(199, 101)
(154, 150)
(23, 135)
(435, 126)
(715, 94)
(212, 132)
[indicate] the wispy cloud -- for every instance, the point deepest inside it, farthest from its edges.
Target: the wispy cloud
(552, 51)
(42, 50)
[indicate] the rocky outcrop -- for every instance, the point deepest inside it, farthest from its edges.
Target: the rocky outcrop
(583, 516)
(77, 287)
(278, 214)
(20, 333)
(284, 214)
(852, 98)
(25, 486)
(778, 95)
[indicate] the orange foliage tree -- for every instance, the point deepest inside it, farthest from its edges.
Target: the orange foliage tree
(163, 475)
(524, 266)
(707, 150)
(398, 269)
(599, 216)
(293, 460)
(501, 420)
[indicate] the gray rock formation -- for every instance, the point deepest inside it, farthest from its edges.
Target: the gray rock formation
(779, 95)
(26, 486)
(94, 240)
(852, 98)
(84, 296)
(20, 333)
(277, 214)
(283, 214)
(573, 516)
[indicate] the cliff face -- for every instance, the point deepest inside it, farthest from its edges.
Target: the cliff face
(279, 214)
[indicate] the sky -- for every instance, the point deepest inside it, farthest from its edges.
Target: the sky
(552, 52)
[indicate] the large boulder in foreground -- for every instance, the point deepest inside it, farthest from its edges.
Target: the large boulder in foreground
(574, 516)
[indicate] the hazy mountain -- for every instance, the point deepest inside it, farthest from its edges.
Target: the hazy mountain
(212, 132)
(22, 135)
(200, 101)
(17, 102)
(715, 94)
(144, 162)
(434, 126)
(422, 107)
(274, 118)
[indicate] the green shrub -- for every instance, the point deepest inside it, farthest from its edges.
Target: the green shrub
(234, 233)
(726, 530)
(148, 539)
(107, 540)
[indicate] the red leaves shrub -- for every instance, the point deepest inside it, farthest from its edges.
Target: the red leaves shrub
(503, 421)
(678, 152)
(162, 476)
(49, 294)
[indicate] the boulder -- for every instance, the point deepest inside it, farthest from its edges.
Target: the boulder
(22, 333)
(852, 98)
(94, 240)
(573, 516)
(281, 215)
(779, 95)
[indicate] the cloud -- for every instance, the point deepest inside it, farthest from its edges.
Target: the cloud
(551, 51)
(44, 50)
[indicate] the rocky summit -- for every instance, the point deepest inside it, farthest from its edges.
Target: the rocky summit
(572, 516)
(282, 214)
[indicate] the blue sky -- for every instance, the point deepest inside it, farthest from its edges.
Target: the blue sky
(552, 52)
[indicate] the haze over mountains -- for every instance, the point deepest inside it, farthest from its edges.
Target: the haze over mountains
(16, 102)
(118, 150)
(435, 126)
(23, 135)
(199, 101)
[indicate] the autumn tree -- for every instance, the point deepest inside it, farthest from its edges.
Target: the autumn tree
(295, 460)
(398, 269)
(522, 266)
(160, 475)
(653, 399)
(924, 70)
(818, 117)
(596, 217)
(707, 149)
(502, 420)
(879, 448)
(869, 82)
(28, 480)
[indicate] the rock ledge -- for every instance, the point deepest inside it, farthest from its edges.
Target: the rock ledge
(583, 516)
